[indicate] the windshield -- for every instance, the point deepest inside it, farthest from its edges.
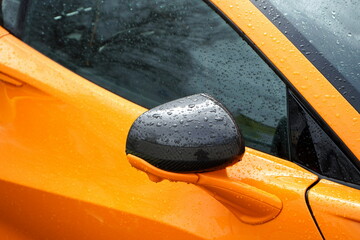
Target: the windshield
(329, 37)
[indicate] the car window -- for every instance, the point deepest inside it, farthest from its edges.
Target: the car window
(312, 147)
(327, 33)
(151, 52)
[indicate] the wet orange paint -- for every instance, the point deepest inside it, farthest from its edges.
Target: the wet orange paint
(337, 209)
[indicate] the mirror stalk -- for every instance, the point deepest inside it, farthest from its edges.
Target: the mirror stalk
(249, 204)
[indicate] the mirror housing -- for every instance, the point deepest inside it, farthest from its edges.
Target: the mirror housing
(191, 134)
(186, 140)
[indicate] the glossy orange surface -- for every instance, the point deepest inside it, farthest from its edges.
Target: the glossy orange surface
(249, 204)
(8, 79)
(3, 32)
(263, 172)
(337, 209)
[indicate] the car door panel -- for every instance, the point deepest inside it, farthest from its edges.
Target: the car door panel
(336, 209)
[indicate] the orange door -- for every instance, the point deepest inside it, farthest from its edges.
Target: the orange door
(336, 209)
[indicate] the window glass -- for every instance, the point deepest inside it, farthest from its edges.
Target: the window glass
(314, 149)
(151, 52)
(328, 34)
(333, 27)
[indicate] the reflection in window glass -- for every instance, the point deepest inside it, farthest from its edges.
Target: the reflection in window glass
(333, 28)
(314, 149)
(151, 52)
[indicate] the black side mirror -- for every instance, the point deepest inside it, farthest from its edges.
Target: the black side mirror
(191, 134)
(181, 140)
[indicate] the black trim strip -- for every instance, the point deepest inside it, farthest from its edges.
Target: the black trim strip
(342, 85)
(309, 206)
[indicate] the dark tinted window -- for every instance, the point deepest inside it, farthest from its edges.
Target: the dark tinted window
(151, 52)
(314, 149)
(1, 16)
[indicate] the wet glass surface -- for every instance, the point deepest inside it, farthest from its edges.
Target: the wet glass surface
(313, 148)
(329, 37)
(151, 52)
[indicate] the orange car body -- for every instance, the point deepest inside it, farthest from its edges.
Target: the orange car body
(64, 173)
